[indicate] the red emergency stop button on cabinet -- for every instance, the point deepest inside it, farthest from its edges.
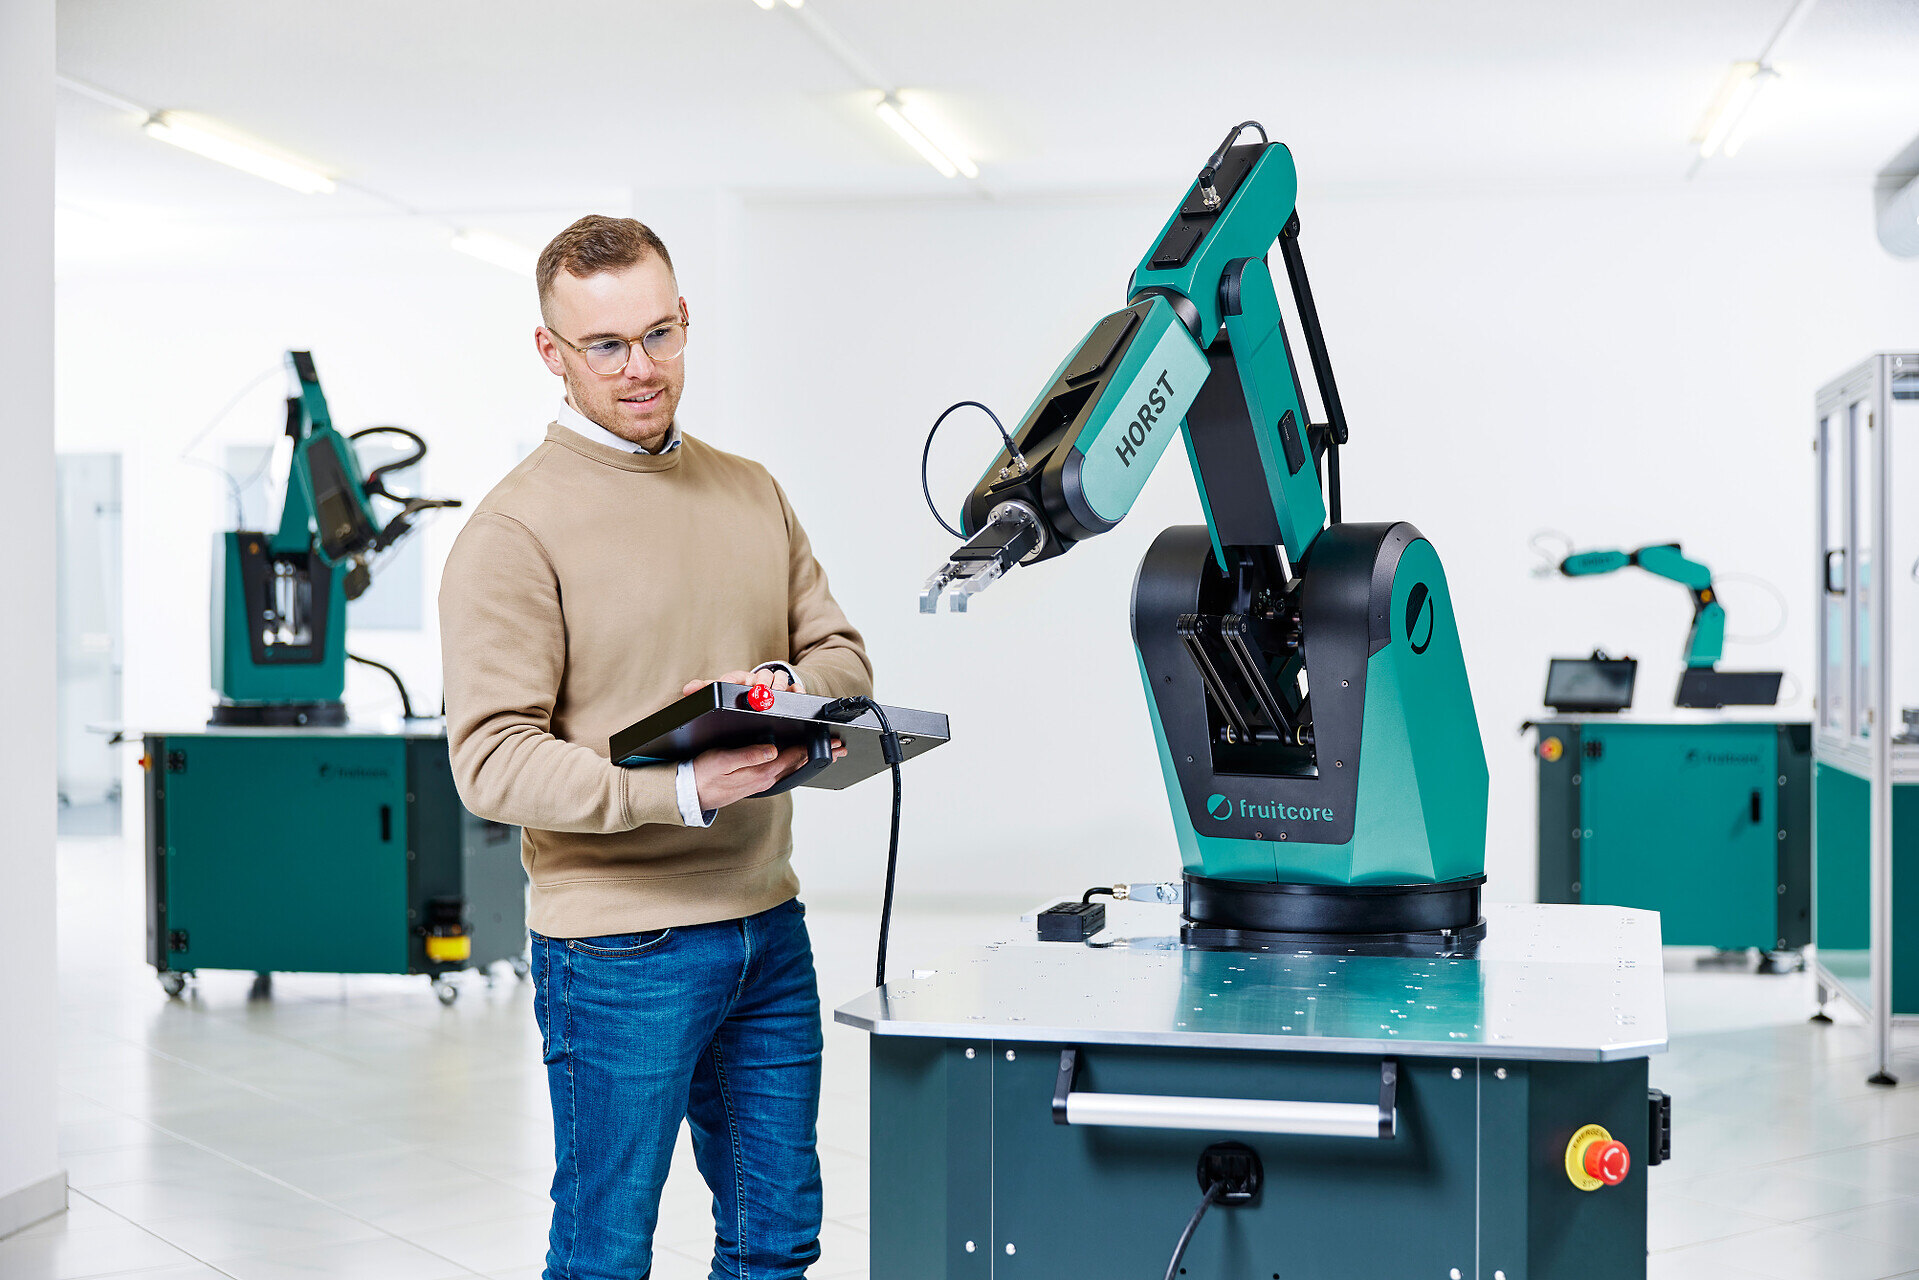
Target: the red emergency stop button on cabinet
(760, 698)
(1595, 1159)
(1608, 1162)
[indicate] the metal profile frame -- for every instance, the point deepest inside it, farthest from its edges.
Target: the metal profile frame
(1869, 384)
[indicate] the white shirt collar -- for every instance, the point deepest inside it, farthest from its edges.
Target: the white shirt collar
(578, 423)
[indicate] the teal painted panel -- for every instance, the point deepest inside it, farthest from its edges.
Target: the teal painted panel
(1668, 822)
(932, 1159)
(278, 855)
(1422, 768)
(1574, 1234)
(1842, 872)
(1841, 860)
(1905, 900)
(1076, 1201)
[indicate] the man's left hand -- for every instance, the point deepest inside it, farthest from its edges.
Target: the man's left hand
(775, 679)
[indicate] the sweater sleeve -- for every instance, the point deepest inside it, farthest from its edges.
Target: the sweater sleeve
(503, 650)
(825, 649)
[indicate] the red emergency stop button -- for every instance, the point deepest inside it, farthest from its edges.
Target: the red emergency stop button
(1595, 1159)
(760, 698)
(1608, 1161)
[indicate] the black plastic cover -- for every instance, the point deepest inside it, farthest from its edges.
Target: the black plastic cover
(1071, 921)
(1705, 688)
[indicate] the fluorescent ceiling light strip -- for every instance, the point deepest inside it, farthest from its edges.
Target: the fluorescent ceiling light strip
(1734, 97)
(497, 250)
(942, 143)
(238, 154)
(1742, 126)
(890, 112)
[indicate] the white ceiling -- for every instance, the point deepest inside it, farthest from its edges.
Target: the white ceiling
(486, 107)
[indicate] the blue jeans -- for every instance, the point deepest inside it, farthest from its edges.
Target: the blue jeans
(717, 1023)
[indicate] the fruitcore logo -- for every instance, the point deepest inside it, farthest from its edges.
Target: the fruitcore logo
(1222, 808)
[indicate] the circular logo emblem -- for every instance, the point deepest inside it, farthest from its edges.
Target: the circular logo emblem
(1219, 806)
(1419, 617)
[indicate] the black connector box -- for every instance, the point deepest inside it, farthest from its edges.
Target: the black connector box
(1071, 921)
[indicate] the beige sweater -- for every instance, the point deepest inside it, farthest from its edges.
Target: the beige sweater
(584, 592)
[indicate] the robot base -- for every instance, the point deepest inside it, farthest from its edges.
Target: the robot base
(1390, 919)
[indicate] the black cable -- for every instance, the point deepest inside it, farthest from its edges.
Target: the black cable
(926, 454)
(406, 703)
(1104, 890)
(1207, 1201)
(376, 483)
(1232, 136)
(894, 754)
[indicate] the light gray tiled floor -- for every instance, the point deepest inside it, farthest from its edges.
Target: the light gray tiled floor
(352, 1127)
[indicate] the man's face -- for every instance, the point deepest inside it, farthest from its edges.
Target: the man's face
(638, 402)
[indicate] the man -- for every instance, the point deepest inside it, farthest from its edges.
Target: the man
(618, 564)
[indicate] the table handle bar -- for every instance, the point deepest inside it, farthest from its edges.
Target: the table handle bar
(1237, 1115)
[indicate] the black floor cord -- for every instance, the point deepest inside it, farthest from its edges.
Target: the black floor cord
(1207, 1201)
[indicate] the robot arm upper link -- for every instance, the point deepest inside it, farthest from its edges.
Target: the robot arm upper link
(1202, 305)
(328, 509)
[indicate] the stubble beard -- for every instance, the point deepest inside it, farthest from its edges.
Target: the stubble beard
(606, 412)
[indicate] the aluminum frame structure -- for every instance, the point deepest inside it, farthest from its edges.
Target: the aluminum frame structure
(1856, 719)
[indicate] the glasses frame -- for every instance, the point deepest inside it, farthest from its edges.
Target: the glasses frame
(682, 324)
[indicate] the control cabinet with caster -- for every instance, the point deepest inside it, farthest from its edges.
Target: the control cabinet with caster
(322, 850)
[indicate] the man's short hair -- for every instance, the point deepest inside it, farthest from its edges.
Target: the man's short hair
(593, 244)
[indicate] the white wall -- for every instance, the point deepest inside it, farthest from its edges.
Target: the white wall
(31, 1183)
(1625, 365)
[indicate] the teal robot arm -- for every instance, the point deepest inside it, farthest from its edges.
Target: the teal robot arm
(279, 600)
(1304, 675)
(1706, 642)
(1201, 329)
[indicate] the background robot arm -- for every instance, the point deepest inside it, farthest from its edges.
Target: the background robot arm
(1706, 642)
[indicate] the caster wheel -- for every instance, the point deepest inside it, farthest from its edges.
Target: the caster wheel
(445, 991)
(173, 984)
(262, 988)
(520, 967)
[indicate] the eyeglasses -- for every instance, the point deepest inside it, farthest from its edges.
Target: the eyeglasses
(608, 356)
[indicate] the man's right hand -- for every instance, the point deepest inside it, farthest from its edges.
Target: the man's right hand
(734, 773)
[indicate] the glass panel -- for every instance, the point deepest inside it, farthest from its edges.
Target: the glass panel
(1835, 702)
(1903, 444)
(89, 640)
(1859, 424)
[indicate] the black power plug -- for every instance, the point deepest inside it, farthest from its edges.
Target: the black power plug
(1234, 1167)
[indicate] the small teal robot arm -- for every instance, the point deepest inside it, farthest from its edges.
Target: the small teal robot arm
(329, 501)
(1706, 641)
(1199, 350)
